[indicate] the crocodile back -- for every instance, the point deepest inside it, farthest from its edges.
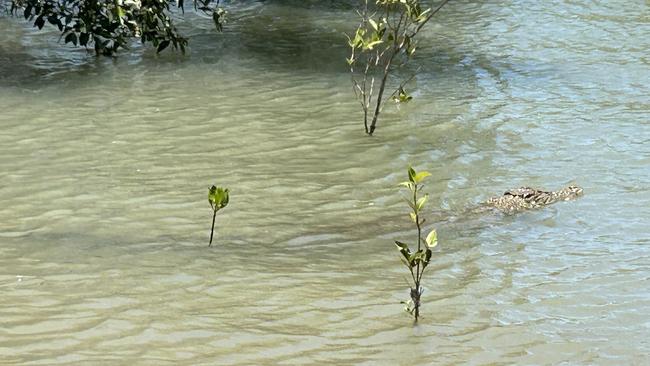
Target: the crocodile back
(525, 198)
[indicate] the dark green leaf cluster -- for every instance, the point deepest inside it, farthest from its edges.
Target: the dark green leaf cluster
(218, 197)
(107, 25)
(411, 260)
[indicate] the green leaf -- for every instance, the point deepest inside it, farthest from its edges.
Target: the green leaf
(422, 201)
(411, 51)
(39, 22)
(432, 239)
(414, 217)
(371, 45)
(416, 257)
(408, 185)
(373, 24)
(401, 96)
(404, 249)
(401, 245)
(407, 41)
(83, 38)
(71, 37)
(28, 12)
(412, 174)
(358, 38)
(426, 259)
(423, 16)
(53, 19)
(411, 260)
(120, 13)
(162, 45)
(419, 177)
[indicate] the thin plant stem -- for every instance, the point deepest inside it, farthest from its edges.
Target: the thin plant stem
(416, 300)
(214, 216)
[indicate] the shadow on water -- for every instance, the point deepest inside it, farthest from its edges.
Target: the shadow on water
(280, 35)
(259, 29)
(30, 59)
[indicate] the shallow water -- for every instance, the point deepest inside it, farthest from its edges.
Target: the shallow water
(105, 165)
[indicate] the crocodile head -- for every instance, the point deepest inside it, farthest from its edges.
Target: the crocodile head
(569, 193)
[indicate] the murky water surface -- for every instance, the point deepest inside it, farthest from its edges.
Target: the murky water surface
(105, 165)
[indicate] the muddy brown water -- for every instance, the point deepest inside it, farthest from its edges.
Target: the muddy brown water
(105, 165)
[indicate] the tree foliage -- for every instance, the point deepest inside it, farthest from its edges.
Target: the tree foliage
(107, 25)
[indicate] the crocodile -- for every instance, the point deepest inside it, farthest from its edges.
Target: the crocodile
(526, 198)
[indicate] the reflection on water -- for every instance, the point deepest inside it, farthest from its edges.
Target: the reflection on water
(106, 163)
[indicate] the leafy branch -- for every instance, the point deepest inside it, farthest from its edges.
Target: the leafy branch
(107, 25)
(384, 41)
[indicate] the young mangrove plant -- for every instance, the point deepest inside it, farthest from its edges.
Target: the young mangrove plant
(384, 41)
(218, 198)
(416, 260)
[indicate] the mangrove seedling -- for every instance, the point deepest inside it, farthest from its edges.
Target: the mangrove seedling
(416, 260)
(218, 198)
